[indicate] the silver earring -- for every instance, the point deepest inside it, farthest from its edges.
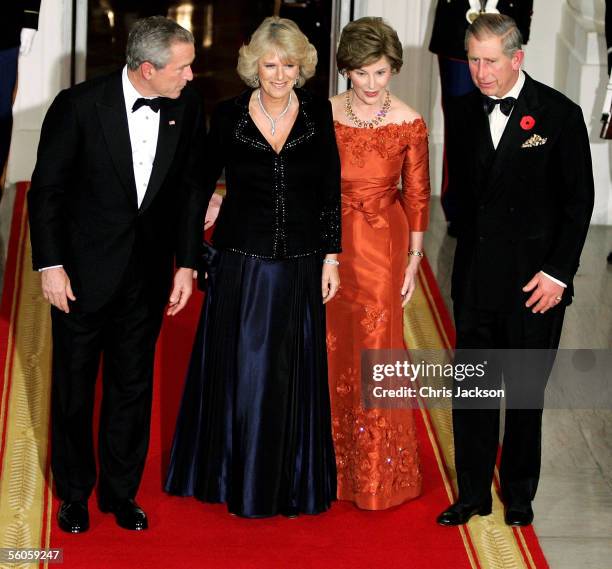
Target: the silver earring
(256, 80)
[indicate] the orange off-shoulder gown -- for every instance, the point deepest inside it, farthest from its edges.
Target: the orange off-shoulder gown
(376, 450)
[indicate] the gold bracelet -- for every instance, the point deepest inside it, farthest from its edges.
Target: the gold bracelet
(415, 253)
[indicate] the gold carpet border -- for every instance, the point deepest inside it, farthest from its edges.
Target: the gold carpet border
(23, 491)
(494, 542)
(9, 344)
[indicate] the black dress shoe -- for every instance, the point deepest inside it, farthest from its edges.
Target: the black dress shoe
(519, 515)
(459, 513)
(73, 517)
(128, 514)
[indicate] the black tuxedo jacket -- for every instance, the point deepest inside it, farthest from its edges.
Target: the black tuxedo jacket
(450, 24)
(523, 207)
(83, 203)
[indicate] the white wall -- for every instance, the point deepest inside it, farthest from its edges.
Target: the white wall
(42, 74)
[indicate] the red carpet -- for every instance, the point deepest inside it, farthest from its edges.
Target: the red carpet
(187, 532)
(184, 532)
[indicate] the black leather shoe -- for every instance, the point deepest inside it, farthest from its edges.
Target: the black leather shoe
(519, 515)
(459, 513)
(128, 514)
(73, 517)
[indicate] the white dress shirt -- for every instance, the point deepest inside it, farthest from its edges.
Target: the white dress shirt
(497, 124)
(497, 119)
(144, 128)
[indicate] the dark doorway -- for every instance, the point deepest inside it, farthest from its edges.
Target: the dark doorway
(220, 27)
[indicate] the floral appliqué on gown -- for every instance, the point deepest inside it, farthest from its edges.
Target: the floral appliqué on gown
(376, 449)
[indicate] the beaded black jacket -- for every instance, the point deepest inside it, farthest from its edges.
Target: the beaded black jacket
(281, 205)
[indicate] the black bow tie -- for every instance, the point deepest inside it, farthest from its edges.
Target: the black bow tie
(505, 105)
(155, 104)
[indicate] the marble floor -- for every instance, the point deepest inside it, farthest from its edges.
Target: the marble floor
(573, 506)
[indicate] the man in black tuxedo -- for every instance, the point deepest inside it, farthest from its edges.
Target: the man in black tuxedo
(451, 20)
(519, 152)
(115, 201)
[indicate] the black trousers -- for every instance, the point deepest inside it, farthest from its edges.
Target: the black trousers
(476, 430)
(122, 334)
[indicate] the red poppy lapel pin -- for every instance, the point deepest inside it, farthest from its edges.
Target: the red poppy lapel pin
(527, 122)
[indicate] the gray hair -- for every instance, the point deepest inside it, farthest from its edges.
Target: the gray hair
(150, 40)
(498, 25)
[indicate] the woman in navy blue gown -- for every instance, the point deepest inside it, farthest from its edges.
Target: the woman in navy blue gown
(254, 428)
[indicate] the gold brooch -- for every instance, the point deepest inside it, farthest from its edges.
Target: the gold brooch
(535, 140)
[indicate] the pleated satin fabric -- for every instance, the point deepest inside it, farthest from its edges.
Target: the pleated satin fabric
(254, 424)
(376, 449)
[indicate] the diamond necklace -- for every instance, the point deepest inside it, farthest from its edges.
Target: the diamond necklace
(279, 117)
(380, 115)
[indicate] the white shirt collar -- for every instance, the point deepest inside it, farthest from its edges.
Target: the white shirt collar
(130, 94)
(516, 89)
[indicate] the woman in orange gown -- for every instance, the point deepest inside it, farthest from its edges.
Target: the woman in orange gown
(380, 139)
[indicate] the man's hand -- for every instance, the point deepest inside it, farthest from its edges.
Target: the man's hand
(181, 291)
(56, 288)
(546, 293)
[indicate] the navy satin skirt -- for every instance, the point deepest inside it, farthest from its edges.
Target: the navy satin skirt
(254, 427)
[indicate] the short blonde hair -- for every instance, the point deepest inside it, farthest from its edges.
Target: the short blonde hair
(367, 40)
(283, 37)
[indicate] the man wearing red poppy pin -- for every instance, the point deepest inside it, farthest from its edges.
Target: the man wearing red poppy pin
(519, 153)
(451, 20)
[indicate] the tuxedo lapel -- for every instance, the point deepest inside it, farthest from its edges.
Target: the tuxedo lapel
(478, 131)
(113, 118)
(514, 135)
(480, 122)
(170, 123)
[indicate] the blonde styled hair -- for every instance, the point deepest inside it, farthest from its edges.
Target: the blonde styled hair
(365, 41)
(283, 37)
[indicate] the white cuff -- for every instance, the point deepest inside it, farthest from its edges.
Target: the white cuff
(553, 279)
(51, 267)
